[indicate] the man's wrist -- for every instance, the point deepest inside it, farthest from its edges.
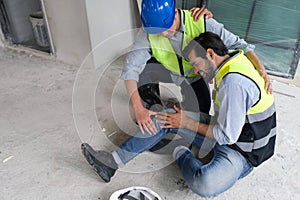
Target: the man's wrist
(137, 105)
(192, 125)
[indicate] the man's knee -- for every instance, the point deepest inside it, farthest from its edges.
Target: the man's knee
(205, 189)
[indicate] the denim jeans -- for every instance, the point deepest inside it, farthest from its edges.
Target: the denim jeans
(225, 168)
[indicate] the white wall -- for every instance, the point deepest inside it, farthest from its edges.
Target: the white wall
(111, 25)
(68, 26)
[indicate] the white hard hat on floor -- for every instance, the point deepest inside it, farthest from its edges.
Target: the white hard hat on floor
(135, 193)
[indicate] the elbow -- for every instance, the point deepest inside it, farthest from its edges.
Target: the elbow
(223, 138)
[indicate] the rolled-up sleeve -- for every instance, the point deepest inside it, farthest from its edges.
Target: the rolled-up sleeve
(137, 58)
(230, 40)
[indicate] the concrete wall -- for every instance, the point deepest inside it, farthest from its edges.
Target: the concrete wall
(78, 26)
(111, 27)
(69, 29)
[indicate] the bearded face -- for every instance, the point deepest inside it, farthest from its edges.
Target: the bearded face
(202, 66)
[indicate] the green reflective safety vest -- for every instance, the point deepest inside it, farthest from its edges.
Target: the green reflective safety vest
(164, 53)
(257, 139)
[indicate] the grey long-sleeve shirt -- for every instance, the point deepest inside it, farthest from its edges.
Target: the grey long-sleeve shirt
(139, 55)
(237, 95)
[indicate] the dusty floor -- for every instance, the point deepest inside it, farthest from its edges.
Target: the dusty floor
(47, 112)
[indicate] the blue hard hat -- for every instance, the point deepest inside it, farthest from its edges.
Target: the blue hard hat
(157, 15)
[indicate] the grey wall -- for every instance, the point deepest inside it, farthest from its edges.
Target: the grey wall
(78, 26)
(111, 25)
(69, 29)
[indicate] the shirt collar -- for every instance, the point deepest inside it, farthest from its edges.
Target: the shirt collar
(182, 27)
(232, 55)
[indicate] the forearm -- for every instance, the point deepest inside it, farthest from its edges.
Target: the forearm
(251, 55)
(201, 128)
(230, 40)
(132, 91)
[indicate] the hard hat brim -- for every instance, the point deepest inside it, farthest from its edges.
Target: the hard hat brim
(154, 30)
(116, 194)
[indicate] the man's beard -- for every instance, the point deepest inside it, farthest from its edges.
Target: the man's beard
(209, 72)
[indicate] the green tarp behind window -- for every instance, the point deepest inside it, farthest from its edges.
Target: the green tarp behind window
(272, 25)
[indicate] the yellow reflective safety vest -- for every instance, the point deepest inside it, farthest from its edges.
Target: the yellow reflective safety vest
(257, 139)
(164, 53)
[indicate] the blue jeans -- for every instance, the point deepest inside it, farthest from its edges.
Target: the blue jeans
(225, 168)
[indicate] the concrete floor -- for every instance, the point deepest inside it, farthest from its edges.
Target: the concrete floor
(49, 108)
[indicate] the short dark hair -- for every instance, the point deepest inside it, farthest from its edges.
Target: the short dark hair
(204, 41)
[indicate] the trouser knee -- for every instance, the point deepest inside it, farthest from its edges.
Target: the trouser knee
(204, 191)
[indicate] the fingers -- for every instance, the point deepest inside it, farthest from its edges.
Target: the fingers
(170, 120)
(147, 126)
(147, 129)
(268, 84)
(192, 10)
(268, 87)
(177, 109)
(145, 122)
(152, 128)
(162, 118)
(141, 128)
(197, 13)
(152, 112)
(166, 126)
(167, 120)
(162, 115)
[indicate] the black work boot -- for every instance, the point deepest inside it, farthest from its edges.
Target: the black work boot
(102, 162)
(151, 96)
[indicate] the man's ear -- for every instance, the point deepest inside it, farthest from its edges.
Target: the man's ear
(210, 52)
(175, 13)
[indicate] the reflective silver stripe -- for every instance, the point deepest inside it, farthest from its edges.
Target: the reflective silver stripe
(261, 116)
(249, 146)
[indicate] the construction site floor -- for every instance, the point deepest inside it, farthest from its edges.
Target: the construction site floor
(49, 108)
